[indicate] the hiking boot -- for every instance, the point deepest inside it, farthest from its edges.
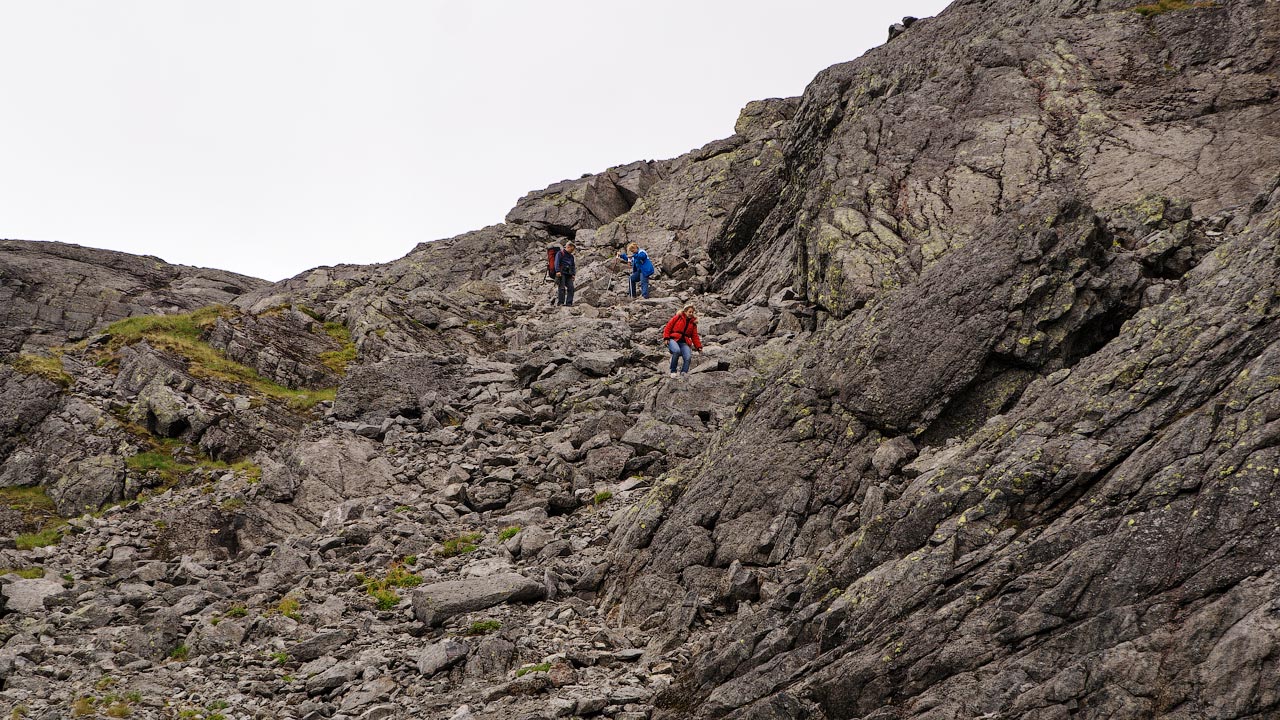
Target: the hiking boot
(674, 375)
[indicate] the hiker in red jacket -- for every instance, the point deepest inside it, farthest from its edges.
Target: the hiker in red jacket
(681, 334)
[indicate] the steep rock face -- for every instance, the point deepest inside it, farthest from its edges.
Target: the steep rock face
(1022, 262)
(901, 156)
(52, 293)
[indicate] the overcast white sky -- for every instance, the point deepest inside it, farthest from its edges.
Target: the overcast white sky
(271, 136)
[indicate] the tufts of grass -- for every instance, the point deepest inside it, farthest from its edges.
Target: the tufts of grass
(33, 502)
(602, 497)
(383, 590)
(508, 533)
(483, 627)
(118, 710)
(84, 706)
(399, 576)
(460, 545)
(29, 573)
(1163, 6)
(180, 653)
(337, 360)
(279, 658)
(540, 667)
(290, 607)
(163, 462)
(384, 598)
(48, 367)
(31, 541)
(237, 611)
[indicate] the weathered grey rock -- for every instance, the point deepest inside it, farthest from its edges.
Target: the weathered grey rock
(375, 690)
(435, 603)
(28, 596)
(334, 676)
(315, 476)
(441, 656)
(208, 638)
(490, 496)
(320, 644)
(892, 455)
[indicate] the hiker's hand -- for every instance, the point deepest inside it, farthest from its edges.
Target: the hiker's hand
(557, 274)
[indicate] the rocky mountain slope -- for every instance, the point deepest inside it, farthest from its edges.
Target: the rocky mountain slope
(984, 427)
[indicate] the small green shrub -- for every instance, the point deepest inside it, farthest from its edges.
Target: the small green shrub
(237, 611)
(385, 598)
(540, 667)
(602, 497)
(508, 533)
(180, 653)
(289, 607)
(399, 576)
(461, 545)
(382, 590)
(483, 627)
(104, 683)
(279, 658)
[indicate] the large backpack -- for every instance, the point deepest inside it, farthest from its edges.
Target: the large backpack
(552, 251)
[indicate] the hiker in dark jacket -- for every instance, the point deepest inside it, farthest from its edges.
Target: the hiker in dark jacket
(641, 268)
(565, 270)
(681, 334)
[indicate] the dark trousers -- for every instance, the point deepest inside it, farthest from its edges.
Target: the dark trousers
(564, 290)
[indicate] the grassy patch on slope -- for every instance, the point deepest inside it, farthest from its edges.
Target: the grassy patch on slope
(1163, 6)
(48, 367)
(182, 334)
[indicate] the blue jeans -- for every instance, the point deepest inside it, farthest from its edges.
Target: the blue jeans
(680, 350)
(639, 279)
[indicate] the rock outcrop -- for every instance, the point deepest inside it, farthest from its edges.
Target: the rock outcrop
(985, 425)
(52, 293)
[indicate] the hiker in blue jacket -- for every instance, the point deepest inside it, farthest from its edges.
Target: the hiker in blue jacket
(566, 268)
(641, 268)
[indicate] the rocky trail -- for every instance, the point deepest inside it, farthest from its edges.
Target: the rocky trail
(985, 426)
(465, 575)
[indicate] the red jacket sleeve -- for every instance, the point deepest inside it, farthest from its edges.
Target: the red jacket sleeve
(692, 330)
